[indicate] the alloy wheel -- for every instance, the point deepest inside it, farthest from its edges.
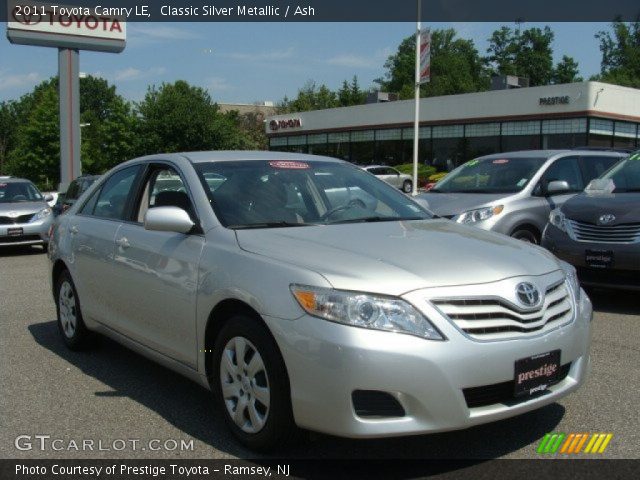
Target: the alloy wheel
(67, 305)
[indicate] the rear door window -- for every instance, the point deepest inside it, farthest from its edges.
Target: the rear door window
(595, 166)
(112, 200)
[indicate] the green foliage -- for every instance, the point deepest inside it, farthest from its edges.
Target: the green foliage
(620, 54)
(566, 71)
(424, 171)
(8, 122)
(436, 177)
(456, 67)
(526, 53)
(314, 97)
(36, 152)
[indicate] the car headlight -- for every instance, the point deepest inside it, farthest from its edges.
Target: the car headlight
(364, 310)
(45, 212)
(571, 277)
(557, 219)
(480, 214)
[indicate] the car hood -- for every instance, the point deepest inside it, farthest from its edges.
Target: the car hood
(22, 208)
(451, 204)
(397, 257)
(588, 207)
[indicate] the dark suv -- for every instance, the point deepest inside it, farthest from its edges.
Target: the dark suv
(598, 231)
(76, 188)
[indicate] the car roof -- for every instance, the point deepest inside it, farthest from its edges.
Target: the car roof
(551, 153)
(15, 180)
(240, 155)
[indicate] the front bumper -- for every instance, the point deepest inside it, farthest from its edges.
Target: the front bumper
(33, 233)
(625, 273)
(327, 362)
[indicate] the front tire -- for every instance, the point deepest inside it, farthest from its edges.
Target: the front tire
(407, 186)
(251, 385)
(70, 324)
(526, 236)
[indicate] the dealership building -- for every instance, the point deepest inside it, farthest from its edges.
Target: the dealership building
(455, 128)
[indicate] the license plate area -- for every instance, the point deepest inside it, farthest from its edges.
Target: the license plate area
(534, 374)
(599, 258)
(14, 232)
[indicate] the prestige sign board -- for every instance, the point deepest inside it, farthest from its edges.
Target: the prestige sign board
(62, 26)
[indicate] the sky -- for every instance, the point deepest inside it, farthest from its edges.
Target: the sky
(256, 62)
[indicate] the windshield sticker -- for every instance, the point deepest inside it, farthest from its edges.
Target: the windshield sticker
(289, 165)
(500, 161)
(3, 184)
(635, 156)
(471, 163)
(522, 182)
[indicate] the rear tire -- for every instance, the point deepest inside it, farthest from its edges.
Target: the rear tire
(251, 386)
(526, 235)
(407, 186)
(70, 323)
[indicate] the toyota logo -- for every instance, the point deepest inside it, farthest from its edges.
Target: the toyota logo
(26, 19)
(528, 294)
(606, 219)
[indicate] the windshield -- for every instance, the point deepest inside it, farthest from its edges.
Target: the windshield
(625, 174)
(267, 194)
(14, 192)
(490, 175)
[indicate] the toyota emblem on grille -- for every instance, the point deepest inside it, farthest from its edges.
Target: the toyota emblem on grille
(606, 219)
(528, 294)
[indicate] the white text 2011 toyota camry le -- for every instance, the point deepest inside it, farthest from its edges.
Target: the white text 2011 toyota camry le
(305, 292)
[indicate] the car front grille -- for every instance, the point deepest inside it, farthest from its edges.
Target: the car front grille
(622, 233)
(503, 392)
(15, 220)
(493, 318)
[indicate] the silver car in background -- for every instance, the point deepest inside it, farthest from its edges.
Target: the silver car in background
(260, 276)
(513, 193)
(392, 176)
(25, 216)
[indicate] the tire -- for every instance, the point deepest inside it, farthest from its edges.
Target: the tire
(407, 186)
(526, 235)
(70, 324)
(266, 420)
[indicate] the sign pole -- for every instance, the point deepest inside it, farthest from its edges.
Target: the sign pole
(416, 121)
(69, 89)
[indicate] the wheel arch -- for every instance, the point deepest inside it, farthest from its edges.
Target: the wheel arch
(529, 227)
(58, 267)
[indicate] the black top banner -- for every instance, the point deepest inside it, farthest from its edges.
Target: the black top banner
(342, 10)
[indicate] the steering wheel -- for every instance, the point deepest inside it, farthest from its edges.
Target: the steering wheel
(356, 202)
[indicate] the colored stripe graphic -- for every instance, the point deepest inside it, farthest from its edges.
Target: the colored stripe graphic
(573, 443)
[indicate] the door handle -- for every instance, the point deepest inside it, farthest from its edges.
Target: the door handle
(123, 242)
(73, 230)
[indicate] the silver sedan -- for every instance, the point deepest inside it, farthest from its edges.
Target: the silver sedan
(306, 293)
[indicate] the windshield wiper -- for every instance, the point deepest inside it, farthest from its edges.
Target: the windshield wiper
(270, 225)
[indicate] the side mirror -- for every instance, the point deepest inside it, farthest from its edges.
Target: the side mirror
(48, 198)
(168, 219)
(557, 186)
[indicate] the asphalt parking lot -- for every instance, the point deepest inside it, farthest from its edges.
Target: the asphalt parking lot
(112, 393)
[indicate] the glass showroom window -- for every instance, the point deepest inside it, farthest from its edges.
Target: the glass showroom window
(317, 144)
(338, 146)
(624, 135)
(424, 145)
(564, 133)
(481, 139)
(520, 136)
(362, 147)
(448, 147)
(389, 146)
(297, 144)
(278, 144)
(600, 133)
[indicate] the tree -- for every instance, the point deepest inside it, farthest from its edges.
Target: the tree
(525, 53)
(620, 54)
(456, 67)
(310, 97)
(36, 152)
(180, 117)
(566, 71)
(350, 93)
(8, 125)
(111, 134)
